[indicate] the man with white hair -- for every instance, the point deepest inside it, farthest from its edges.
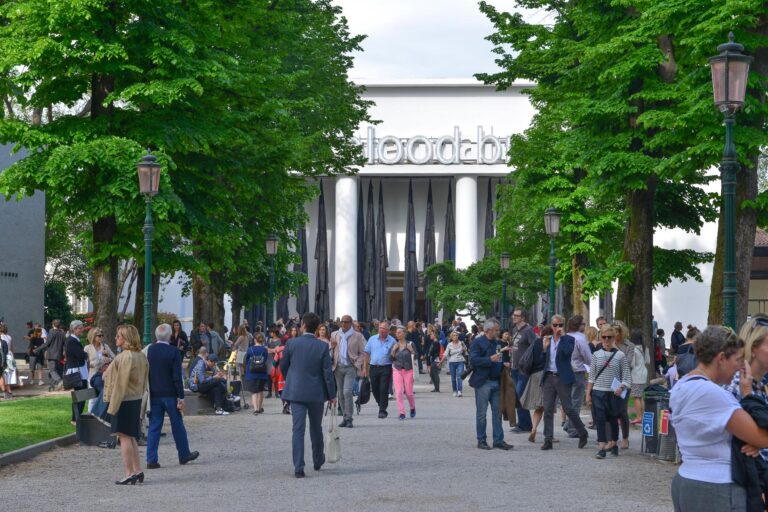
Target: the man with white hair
(485, 357)
(166, 395)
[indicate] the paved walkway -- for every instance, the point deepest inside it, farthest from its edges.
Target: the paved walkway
(428, 463)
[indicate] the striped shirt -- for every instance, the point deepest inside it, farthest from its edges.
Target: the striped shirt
(618, 368)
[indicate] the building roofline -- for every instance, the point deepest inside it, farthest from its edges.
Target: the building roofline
(431, 82)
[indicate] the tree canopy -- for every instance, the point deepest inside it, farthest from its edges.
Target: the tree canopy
(243, 102)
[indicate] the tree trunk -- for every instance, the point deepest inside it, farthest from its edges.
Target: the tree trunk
(237, 308)
(580, 307)
(105, 281)
(207, 302)
(634, 301)
(138, 308)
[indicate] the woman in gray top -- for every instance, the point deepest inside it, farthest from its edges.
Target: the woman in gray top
(402, 372)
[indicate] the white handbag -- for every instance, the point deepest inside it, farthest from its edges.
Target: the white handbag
(332, 438)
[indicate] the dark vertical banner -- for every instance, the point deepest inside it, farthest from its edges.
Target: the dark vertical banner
(322, 307)
(381, 260)
(371, 267)
(302, 300)
(430, 251)
(449, 236)
(488, 231)
(361, 313)
(411, 281)
(282, 308)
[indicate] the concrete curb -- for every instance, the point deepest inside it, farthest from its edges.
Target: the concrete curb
(28, 452)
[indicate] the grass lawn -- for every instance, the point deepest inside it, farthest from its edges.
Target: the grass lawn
(26, 421)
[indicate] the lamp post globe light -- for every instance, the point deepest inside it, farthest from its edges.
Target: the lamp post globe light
(730, 69)
(149, 182)
(552, 227)
(504, 263)
(271, 251)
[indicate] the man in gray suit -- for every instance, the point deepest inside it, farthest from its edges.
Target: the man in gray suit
(309, 383)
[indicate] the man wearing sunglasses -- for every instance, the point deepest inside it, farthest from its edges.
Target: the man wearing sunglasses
(557, 382)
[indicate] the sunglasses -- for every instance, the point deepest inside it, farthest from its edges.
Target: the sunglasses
(607, 337)
(557, 325)
(99, 335)
(762, 321)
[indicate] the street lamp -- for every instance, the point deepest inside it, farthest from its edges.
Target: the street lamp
(504, 263)
(271, 251)
(729, 83)
(149, 183)
(552, 227)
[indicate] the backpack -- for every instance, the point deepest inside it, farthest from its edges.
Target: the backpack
(257, 363)
(685, 362)
(525, 364)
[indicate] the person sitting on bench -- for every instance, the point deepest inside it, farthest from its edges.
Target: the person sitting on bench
(205, 381)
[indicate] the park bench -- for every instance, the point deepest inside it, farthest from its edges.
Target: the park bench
(195, 403)
(90, 430)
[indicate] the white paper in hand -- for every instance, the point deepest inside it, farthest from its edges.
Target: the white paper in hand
(616, 384)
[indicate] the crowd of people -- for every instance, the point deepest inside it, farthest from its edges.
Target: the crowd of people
(717, 378)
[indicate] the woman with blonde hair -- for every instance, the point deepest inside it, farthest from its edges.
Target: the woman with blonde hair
(125, 382)
(98, 352)
(592, 335)
(621, 343)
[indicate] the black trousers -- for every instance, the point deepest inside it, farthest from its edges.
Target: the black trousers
(434, 373)
(381, 380)
(606, 409)
(217, 388)
(79, 407)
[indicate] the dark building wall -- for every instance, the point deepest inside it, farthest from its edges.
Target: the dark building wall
(22, 258)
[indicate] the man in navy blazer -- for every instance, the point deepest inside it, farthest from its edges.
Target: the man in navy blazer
(309, 383)
(166, 396)
(557, 382)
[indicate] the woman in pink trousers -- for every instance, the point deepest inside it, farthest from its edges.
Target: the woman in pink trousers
(402, 372)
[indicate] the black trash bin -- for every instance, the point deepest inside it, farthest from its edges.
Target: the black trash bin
(656, 400)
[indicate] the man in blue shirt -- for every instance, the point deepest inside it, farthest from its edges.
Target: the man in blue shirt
(377, 352)
(485, 357)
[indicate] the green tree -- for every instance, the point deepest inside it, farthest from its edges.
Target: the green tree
(614, 143)
(475, 290)
(56, 303)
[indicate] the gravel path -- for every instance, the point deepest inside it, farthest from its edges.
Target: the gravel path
(428, 463)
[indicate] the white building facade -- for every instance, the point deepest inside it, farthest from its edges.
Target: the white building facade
(447, 133)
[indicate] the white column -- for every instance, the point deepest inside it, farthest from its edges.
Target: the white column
(466, 221)
(345, 247)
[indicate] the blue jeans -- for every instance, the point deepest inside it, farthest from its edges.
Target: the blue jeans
(523, 415)
(159, 406)
(456, 370)
(485, 394)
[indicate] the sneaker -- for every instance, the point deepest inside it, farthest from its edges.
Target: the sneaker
(455, 394)
(382, 415)
(600, 454)
(221, 412)
(413, 413)
(615, 451)
(459, 394)
(402, 417)
(391, 396)
(40, 383)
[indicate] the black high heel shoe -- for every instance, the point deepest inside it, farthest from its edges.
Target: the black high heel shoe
(139, 477)
(131, 480)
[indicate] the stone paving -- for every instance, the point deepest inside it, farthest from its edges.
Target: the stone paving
(422, 464)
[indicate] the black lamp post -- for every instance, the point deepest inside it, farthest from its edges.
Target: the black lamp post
(504, 263)
(149, 183)
(552, 227)
(729, 82)
(271, 251)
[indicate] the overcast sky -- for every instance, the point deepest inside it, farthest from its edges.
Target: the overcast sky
(422, 38)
